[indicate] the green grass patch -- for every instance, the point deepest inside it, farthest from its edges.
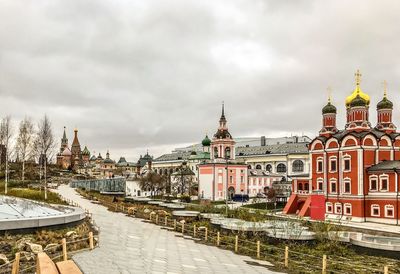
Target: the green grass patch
(32, 194)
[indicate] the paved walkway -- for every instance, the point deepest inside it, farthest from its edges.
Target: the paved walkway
(128, 245)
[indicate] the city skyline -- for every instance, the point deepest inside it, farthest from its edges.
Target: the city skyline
(150, 75)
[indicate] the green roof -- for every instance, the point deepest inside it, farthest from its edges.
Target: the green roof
(385, 103)
(85, 151)
(206, 141)
(329, 108)
(358, 102)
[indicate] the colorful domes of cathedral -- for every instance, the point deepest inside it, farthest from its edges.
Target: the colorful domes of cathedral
(206, 141)
(385, 103)
(358, 92)
(329, 108)
(86, 151)
(359, 102)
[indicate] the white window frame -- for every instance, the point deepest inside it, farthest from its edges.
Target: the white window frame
(346, 180)
(374, 206)
(331, 181)
(371, 178)
(391, 207)
(333, 158)
(346, 206)
(381, 178)
(320, 160)
(337, 206)
(327, 206)
(346, 157)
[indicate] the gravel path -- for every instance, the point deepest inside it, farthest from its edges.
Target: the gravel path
(128, 245)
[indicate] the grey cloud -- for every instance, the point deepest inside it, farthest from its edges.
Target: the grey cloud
(133, 75)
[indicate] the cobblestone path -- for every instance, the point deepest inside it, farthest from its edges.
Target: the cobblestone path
(128, 245)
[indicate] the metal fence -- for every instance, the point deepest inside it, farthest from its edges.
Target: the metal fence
(114, 185)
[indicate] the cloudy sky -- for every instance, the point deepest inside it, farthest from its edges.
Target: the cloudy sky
(137, 74)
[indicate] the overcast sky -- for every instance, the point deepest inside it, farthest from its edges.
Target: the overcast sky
(132, 75)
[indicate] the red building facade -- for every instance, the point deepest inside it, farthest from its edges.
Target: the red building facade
(354, 172)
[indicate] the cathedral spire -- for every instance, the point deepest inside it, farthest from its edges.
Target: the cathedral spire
(64, 135)
(222, 120)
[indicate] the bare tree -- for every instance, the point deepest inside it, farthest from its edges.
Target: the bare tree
(44, 146)
(183, 180)
(5, 136)
(153, 182)
(25, 142)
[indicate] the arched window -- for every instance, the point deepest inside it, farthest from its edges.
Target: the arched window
(268, 167)
(281, 168)
(215, 152)
(258, 166)
(298, 166)
(249, 167)
(227, 153)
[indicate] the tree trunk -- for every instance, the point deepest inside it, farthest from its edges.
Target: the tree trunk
(23, 170)
(45, 178)
(6, 176)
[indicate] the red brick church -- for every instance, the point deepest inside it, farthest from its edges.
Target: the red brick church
(354, 172)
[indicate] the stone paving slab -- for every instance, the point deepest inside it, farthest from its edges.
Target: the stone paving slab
(129, 245)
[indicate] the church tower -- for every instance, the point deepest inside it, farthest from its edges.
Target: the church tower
(76, 151)
(64, 142)
(328, 119)
(385, 112)
(222, 145)
(357, 105)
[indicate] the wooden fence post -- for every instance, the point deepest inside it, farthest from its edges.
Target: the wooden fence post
(183, 228)
(175, 224)
(64, 249)
(194, 231)
(258, 250)
(166, 220)
(15, 266)
(206, 234)
(218, 238)
(157, 219)
(324, 263)
(236, 243)
(286, 256)
(386, 270)
(116, 207)
(91, 245)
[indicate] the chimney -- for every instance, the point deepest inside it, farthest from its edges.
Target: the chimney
(263, 142)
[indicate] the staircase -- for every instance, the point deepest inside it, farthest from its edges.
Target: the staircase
(291, 205)
(305, 209)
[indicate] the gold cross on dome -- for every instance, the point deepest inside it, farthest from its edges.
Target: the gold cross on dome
(358, 77)
(329, 94)
(384, 83)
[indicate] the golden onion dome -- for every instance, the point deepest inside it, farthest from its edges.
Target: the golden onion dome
(357, 91)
